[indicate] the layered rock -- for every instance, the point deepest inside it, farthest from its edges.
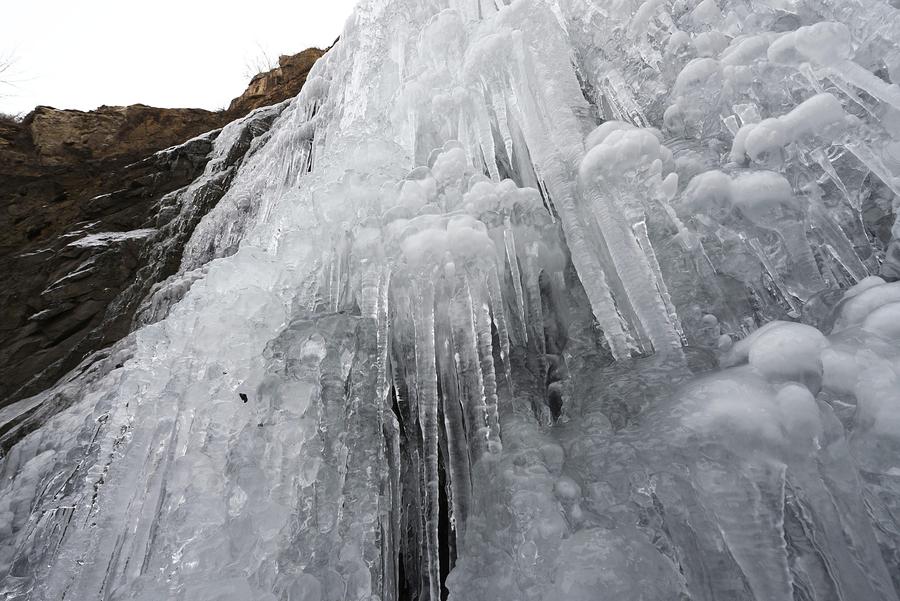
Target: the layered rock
(280, 83)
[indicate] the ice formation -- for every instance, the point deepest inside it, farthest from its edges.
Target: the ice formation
(529, 300)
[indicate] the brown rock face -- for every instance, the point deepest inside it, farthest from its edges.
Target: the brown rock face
(56, 160)
(62, 137)
(70, 175)
(279, 84)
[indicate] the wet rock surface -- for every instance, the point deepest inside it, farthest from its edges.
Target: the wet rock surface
(91, 217)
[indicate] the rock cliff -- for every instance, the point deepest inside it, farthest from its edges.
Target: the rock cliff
(87, 206)
(284, 81)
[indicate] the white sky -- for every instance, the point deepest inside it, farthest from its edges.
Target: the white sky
(168, 53)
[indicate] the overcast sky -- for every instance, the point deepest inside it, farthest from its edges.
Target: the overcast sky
(168, 53)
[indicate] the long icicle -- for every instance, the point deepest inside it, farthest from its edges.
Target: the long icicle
(426, 383)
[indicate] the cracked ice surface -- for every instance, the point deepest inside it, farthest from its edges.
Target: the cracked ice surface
(533, 300)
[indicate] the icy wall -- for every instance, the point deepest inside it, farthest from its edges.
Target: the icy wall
(549, 300)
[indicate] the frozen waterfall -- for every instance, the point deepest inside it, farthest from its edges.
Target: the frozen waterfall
(538, 300)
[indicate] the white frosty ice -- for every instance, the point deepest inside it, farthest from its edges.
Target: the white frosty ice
(107, 238)
(531, 300)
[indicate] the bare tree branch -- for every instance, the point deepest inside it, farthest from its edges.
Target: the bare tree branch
(260, 63)
(7, 61)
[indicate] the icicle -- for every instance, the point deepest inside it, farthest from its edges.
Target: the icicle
(822, 159)
(786, 297)
(498, 311)
(557, 175)
(521, 158)
(593, 278)
(618, 92)
(765, 565)
(513, 262)
(871, 159)
(534, 315)
(486, 140)
(498, 315)
(486, 357)
(866, 81)
(643, 238)
(498, 103)
(382, 317)
(363, 437)
(805, 279)
(462, 130)
(837, 243)
(468, 366)
(633, 270)
(391, 547)
(458, 452)
(426, 386)
(370, 290)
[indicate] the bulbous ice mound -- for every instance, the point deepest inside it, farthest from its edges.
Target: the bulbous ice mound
(529, 300)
